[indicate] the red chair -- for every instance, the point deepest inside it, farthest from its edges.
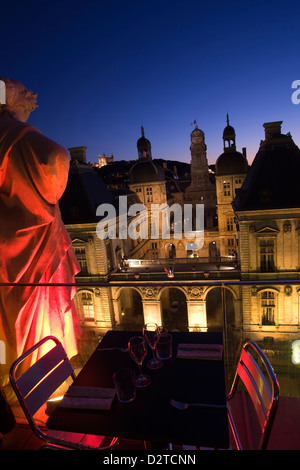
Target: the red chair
(253, 400)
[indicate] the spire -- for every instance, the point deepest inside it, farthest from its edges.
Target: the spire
(144, 147)
(229, 137)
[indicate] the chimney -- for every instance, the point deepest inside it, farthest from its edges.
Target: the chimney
(272, 129)
(78, 153)
(244, 151)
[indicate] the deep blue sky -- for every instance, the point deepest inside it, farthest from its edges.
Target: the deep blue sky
(104, 68)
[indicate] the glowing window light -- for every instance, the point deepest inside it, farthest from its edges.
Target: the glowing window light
(296, 352)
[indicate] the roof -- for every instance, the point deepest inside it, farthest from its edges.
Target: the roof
(143, 143)
(273, 179)
(84, 192)
(228, 131)
(231, 163)
(197, 131)
(146, 171)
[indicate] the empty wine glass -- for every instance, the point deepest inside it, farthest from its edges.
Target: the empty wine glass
(151, 335)
(138, 350)
(162, 331)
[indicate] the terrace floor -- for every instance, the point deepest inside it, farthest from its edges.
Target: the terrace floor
(285, 434)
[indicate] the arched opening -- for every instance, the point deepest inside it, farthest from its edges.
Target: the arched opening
(213, 251)
(170, 251)
(131, 309)
(174, 309)
(219, 308)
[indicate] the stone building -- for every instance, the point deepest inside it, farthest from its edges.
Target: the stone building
(255, 236)
(268, 215)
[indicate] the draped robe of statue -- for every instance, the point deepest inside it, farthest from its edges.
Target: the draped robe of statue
(34, 244)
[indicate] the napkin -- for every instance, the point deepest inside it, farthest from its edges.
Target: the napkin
(212, 352)
(88, 398)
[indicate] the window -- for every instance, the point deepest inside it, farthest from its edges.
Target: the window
(226, 188)
(267, 255)
(268, 308)
(87, 306)
(229, 224)
(149, 195)
(81, 257)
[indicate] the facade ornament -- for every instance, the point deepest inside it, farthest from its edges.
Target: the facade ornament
(287, 228)
(253, 291)
(288, 290)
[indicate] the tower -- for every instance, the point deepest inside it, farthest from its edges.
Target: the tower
(201, 189)
(231, 170)
(144, 147)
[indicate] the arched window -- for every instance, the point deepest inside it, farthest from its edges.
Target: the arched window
(81, 257)
(87, 303)
(268, 306)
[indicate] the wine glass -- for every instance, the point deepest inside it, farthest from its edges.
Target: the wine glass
(138, 350)
(162, 331)
(151, 335)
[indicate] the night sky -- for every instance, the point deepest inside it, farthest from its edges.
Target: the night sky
(104, 68)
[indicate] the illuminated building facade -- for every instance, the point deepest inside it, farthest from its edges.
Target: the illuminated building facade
(248, 242)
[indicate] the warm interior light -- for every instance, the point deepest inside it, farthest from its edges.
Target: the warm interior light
(296, 352)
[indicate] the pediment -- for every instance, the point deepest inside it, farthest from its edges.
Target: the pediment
(267, 229)
(78, 241)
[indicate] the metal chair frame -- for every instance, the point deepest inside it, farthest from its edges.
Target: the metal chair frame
(36, 385)
(265, 399)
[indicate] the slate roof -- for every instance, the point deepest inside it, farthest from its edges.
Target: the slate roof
(273, 179)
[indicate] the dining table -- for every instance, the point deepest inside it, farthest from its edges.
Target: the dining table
(151, 416)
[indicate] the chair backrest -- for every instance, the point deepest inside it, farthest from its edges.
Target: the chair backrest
(262, 388)
(40, 380)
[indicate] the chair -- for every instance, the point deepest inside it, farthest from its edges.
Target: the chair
(36, 385)
(253, 400)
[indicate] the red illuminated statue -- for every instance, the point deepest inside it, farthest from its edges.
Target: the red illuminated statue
(34, 244)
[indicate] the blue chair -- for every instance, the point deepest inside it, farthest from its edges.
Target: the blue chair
(36, 385)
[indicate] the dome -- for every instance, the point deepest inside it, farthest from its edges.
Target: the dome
(231, 163)
(143, 143)
(228, 132)
(146, 172)
(197, 132)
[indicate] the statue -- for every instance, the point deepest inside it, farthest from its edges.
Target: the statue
(35, 247)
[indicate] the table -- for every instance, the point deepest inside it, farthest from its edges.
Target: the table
(150, 417)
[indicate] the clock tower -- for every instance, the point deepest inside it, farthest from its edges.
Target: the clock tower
(201, 189)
